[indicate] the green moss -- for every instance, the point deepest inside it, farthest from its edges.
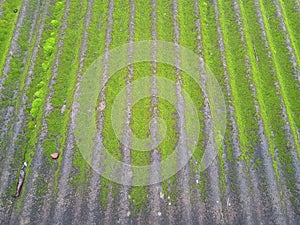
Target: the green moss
(80, 168)
(36, 104)
(138, 199)
(114, 86)
(54, 23)
(49, 46)
(59, 6)
(7, 25)
(236, 50)
(104, 192)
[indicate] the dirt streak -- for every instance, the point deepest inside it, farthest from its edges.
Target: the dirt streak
(108, 213)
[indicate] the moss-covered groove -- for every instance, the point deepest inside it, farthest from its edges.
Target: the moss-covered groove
(285, 74)
(289, 89)
(14, 84)
(35, 122)
(8, 23)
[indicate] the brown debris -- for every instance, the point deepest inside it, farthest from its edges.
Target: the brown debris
(54, 155)
(21, 179)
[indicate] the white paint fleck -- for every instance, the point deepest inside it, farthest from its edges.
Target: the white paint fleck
(161, 195)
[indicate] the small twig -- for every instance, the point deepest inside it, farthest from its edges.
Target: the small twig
(21, 179)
